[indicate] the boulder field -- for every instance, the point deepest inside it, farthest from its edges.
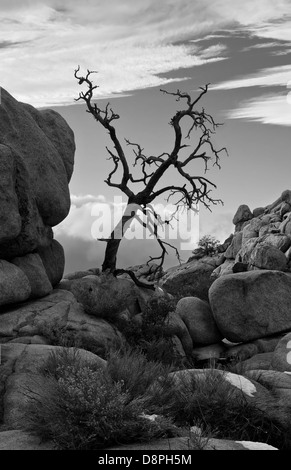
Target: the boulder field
(229, 307)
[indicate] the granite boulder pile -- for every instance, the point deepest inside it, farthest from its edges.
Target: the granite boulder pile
(36, 163)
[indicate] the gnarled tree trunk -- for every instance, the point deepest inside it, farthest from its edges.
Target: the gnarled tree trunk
(116, 236)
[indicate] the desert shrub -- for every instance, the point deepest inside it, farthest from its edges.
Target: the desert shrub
(62, 359)
(155, 316)
(133, 368)
(223, 409)
(57, 333)
(150, 333)
(80, 407)
(209, 245)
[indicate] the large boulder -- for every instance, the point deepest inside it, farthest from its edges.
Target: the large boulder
(285, 226)
(174, 326)
(278, 381)
(14, 284)
(199, 320)
(58, 319)
(36, 161)
(53, 259)
(43, 141)
(10, 219)
(190, 279)
(252, 229)
(103, 296)
(278, 240)
(268, 257)
(242, 214)
(246, 250)
(235, 246)
(33, 268)
(258, 211)
(251, 305)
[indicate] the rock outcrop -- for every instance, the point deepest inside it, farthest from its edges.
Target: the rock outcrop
(190, 279)
(251, 305)
(262, 239)
(55, 319)
(36, 163)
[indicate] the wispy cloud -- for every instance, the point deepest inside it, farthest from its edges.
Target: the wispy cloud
(272, 76)
(280, 29)
(131, 43)
(267, 109)
(266, 45)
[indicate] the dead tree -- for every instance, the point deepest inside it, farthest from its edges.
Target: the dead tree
(192, 190)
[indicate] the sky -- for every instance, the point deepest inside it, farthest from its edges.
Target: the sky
(243, 49)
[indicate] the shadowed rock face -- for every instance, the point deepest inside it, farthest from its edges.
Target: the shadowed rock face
(190, 279)
(36, 162)
(37, 150)
(251, 305)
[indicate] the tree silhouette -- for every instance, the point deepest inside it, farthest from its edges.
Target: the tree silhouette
(192, 190)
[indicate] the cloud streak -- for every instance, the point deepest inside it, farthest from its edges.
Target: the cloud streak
(131, 43)
(272, 76)
(130, 47)
(268, 109)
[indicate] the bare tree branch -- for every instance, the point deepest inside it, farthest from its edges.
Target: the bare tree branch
(192, 189)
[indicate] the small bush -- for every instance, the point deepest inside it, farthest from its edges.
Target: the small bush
(81, 408)
(134, 370)
(57, 333)
(62, 359)
(150, 334)
(209, 245)
(223, 409)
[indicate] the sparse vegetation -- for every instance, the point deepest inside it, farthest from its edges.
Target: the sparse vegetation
(80, 407)
(223, 409)
(83, 406)
(208, 244)
(56, 332)
(132, 367)
(149, 333)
